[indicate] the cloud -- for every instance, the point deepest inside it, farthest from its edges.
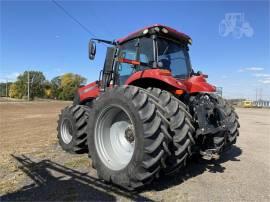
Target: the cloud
(266, 81)
(251, 69)
(265, 78)
(10, 77)
(262, 75)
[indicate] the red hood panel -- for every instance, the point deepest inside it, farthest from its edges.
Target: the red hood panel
(90, 91)
(197, 84)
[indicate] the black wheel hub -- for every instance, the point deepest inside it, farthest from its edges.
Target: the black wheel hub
(129, 135)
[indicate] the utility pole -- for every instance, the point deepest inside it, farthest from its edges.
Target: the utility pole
(2, 89)
(256, 94)
(7, 88)
(28, 86)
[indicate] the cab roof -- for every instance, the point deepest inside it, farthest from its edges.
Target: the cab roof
(158, 29)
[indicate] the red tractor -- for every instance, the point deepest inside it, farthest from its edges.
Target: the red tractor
(148, 112)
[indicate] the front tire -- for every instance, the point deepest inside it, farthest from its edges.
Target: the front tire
(72, 133)
(130, 113)
(233, 132)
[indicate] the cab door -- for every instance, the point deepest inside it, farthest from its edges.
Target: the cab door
(140, 50)
(127, 51)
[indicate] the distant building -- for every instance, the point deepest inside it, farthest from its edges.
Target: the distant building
(261, 103)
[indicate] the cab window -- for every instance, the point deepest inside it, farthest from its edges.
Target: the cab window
(146, 52)
(127, 51)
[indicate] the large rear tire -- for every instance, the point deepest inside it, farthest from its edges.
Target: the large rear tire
(127, 143)
(72, 133)
(180, 129)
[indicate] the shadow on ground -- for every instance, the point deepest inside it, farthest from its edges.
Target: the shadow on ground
(73, 185)
(195, 167)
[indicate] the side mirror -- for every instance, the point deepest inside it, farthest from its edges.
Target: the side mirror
(199, 73)
(92, 50)
(202, 74)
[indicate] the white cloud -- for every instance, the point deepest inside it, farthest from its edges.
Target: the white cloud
(10, 77)
(251, 69)
(254, 69)
(262, 75)
(265, 81)
(265, 78)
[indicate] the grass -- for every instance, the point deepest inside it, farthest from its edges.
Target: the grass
(77, 162)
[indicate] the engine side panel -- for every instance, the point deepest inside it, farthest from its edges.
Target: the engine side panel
(88, 92)
(196, 84)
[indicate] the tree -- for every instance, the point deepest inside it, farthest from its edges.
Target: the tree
(36, 79)
(69, 84)
(60, 87)
(55, 86)
(14, 91)
(65, 86)
(47, 89)
(4, 87)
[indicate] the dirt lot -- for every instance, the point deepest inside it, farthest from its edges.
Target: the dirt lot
(33, 167)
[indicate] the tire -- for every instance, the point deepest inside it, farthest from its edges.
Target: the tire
(72, 125)
(224, 115)
(224, 142)
(128, 104)
(76, 99)
(180, 129)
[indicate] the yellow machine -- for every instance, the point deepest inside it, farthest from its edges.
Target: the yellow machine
(247, 103)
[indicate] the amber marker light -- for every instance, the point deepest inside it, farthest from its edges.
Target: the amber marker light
(165, 72)
(179, 92)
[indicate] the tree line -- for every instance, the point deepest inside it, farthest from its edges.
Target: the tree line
(61, 87)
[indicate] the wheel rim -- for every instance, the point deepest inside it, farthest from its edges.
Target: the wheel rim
(66, 131)
(114, 137)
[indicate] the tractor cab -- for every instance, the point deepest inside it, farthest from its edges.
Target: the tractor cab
(153, 56)
(156, 47)
(153, 47)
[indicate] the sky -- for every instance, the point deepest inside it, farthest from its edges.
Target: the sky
(230, 38)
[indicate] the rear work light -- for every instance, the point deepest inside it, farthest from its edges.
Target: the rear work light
(164, 30)
(157, 29)
(145, 31)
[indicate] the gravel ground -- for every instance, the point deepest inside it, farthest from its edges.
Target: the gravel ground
(34, 168)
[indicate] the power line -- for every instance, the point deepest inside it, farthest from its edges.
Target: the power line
(73, 18)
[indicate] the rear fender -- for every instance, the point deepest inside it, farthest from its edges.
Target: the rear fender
(155, 78)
